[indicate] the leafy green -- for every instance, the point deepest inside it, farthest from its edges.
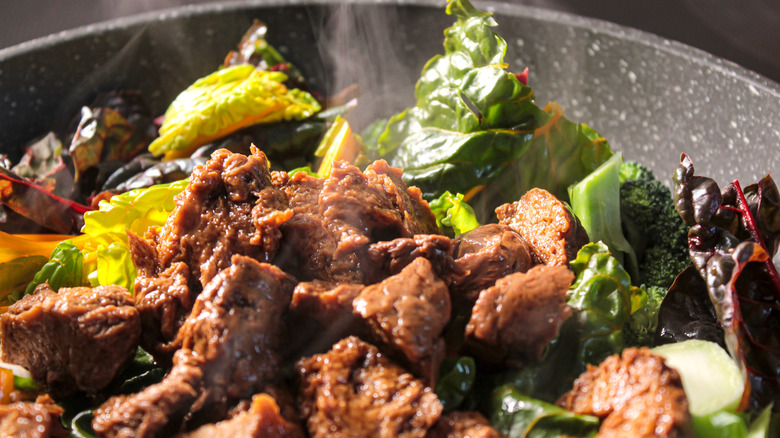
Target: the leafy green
(457, 379)
(653, 227)
(305, 169)
(25, 384)
(140, 373)
(224, 102)
(65, 268)
(732, 240)
(16, 274)
(603, 299)
(474, 121)
(640, 328)
(519, 416)
(452, 213)
(136, 211)
(596, 202)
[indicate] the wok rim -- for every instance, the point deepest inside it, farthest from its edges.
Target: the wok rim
(598, 26)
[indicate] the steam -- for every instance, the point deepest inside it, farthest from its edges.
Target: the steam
(358, 46)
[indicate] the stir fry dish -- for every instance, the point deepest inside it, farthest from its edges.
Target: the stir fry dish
(247, 265)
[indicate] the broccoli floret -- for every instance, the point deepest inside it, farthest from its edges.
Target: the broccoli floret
(631, 170)
(639, 330)
(652, 226)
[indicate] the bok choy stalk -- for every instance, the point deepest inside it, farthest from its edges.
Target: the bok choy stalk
(476, 124)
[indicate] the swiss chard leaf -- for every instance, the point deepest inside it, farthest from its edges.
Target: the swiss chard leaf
(39, 205)
(733, 236)
(224, 102)
(474, 121)
(452, 213)
(136, 211)
(104, 135)
(519, 416)
(686, 312)
(16, 274)
(457, 379)
(603, 299)
(65, 268)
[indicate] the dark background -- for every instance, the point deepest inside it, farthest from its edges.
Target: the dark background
(743, 31)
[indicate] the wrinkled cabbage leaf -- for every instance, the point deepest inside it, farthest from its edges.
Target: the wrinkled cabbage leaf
(453, 214)
(518, 416)
(224, 102)
(474, 121)
(136, 211)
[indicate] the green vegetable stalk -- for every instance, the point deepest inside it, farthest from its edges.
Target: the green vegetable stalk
(596, 202)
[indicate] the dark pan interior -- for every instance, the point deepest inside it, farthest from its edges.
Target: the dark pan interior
(652, 98)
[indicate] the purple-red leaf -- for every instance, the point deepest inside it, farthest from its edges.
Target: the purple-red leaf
(42, 207)
(733, 237)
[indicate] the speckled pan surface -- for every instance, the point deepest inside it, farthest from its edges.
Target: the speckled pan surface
(652, 98)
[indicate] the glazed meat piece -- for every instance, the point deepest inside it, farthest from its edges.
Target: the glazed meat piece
(487, 253)
(461, 424)
(546, 224)
(355, 391)
(635, 394)
(390, 257)
(229, 207)
(407, 314)
(229, 352)
(40, 419)
(159, 409)
(320, 315)
(261, 420)
(335, 219)
(75, 339)
(514, 320)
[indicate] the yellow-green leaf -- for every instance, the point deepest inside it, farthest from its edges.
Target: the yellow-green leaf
(224, 102)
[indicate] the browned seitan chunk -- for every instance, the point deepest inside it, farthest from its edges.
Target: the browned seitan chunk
(390, 257)
(39, 419)
(335, 219)
(487, 253)
(514, 320)
(261, 420)
(229, 207)
(407, 313)
(635, 394)
(463, 424)
(229, 352)
(76, 339)
(355, 391)
(547, 225)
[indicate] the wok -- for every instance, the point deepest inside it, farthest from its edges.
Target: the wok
(652, 98)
